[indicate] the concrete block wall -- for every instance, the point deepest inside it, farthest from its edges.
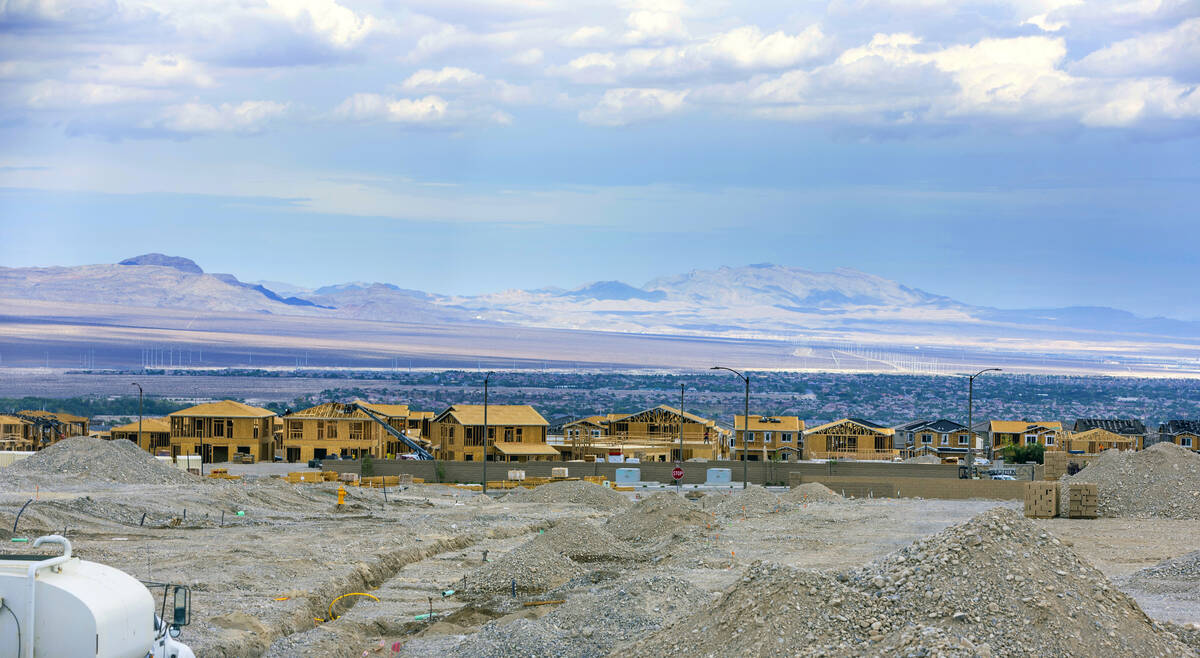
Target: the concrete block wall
(694, 472)
(917, 487)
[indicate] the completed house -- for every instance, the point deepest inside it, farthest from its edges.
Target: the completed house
(947, 439)
(772, 438)
(1000, 434)
(217, 430)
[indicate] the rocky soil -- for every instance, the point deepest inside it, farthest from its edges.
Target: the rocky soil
(1179, 575)
(812, 492)
(577, 492)
(1162, 481)
(87, 458)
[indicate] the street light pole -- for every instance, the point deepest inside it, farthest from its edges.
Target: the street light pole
(681, 389)
(139, 413)
(485, 428)
(745, 422)
(971, 418)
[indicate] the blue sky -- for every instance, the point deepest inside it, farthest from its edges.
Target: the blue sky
(1020, 153)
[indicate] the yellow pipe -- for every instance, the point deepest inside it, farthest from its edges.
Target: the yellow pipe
(333, 616)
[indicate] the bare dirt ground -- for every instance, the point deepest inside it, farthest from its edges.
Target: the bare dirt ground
(264, 582)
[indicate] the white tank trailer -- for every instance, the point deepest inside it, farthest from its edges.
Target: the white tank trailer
(62, 606)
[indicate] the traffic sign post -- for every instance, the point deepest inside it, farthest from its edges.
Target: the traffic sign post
(677, 473)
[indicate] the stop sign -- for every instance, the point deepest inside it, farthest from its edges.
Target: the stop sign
(677, 473)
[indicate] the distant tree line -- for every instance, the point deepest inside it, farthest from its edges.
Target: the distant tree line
(86, 406)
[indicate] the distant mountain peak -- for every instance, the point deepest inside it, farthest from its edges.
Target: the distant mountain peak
(162, 260)
(613, 290)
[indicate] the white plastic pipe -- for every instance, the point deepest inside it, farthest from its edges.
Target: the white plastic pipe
(32, 575)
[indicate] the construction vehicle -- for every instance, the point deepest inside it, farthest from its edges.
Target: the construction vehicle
(53, 606)
(417, 448)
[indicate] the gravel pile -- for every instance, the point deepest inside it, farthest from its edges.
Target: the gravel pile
(749, 502)
(811, 492)
(1178, 575)
(996, 585)
(924, 459)
(88, 458)
(585, 542)
(592, 622)
(578, 492)
(534, 565)
(1162, 481)
(656, 518)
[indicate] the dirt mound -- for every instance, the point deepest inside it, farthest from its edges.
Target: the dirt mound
(923, 459)
(591, 622)
(994, 585)
(749, 502)
(657, 517)
(578, 492)
(534, 566)
(585, 542)
(1162, 481)
(811, 492)
(1178, 575)
(96, 459)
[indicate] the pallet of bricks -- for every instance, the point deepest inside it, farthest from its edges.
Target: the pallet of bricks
(1078, 501)
(307, 477)
(1041, 500)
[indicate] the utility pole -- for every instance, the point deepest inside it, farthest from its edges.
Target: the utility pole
(681, 389)
(745, 423)
(140, 444)
(485, 428)
(971, 418)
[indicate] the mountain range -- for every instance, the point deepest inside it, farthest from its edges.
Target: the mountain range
(754, 302)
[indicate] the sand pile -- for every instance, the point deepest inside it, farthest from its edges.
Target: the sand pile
(1178, 575)
(96, 459)
(657, 517)
(811, 492)
(578, 492)
(585, 542)
(749, 502)
(534, 565)
(994, 585)
(1162, 481)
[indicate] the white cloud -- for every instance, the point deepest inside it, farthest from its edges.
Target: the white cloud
(745, 48)
(528, 57)
(1172, 51)
(197, 118)
(337, 25)
(619, 107)
(154, 71)
(449, 76)
(655, 26)
(376, 107)
(587, 36)
(55, 94)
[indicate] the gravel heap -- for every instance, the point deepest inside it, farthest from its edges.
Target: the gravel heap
(657, 517)
(994, 585)
(811, 492)
(584, 542)
(924, 459)
(535, 565)
(1162, 481)
(591, 622)
(1178, 575)
(752, 501)
(96, 459)
(579, 492)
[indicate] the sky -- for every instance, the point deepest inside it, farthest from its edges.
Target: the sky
(1009, 153)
